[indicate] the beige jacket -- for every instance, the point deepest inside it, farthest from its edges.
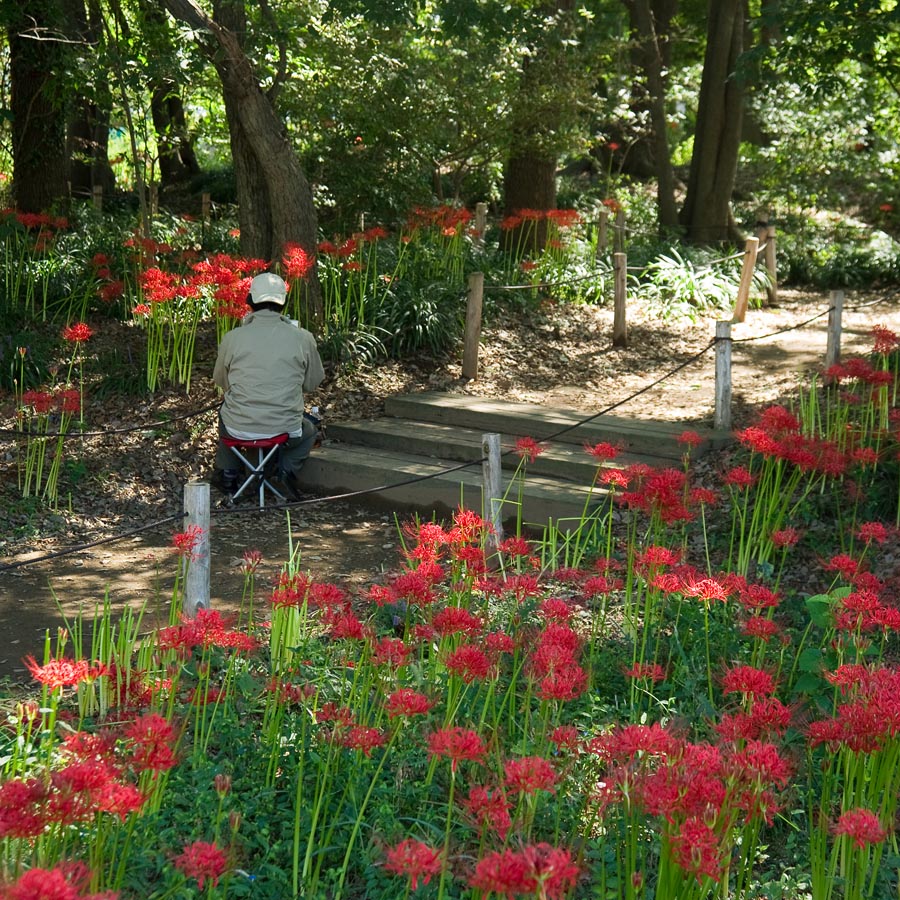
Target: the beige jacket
(264, 366)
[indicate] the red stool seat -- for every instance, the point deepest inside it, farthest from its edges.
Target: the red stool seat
(266, 449)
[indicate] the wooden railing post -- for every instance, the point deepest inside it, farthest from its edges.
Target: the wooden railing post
(97, 196)
(620, 327)
(480, 223)
(196, 583)
(492, 474)
(771, 266)
(835, 313)
(619, 232)
(472, 337)
(205, 206)
(602, 233)
(722, 415)
(740, 307)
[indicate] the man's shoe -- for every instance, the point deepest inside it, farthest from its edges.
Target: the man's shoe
(288, 481)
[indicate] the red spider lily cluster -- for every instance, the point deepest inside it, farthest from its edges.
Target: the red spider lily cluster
(561, 218)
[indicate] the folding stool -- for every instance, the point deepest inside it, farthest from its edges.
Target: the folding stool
(266, 449)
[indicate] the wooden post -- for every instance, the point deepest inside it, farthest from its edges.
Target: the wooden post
(743, 296)
(205, 206)
(620, 328)
(771, 267)
(835, 312)
(97, 196)
(602, 233)
(722, 416)
(472, 336)
(492, 474)
(196, 584)
(480, 223)
(619, 232)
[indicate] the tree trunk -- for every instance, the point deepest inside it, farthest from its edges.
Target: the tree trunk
(529, 183)
(177, 160)
(87, 138)
(706, 215)
(38, 121)
(649, 26)
(287, 196)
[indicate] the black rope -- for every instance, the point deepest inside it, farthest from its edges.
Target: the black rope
(12, 432)
(68, 551)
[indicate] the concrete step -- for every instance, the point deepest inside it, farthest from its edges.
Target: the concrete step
(453, 442)
(425, 456)
(643, 437)
(413, 483)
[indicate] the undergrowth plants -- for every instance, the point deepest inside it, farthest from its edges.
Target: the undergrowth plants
(617, 713)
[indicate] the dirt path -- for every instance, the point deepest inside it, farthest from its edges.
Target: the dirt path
(561, 357)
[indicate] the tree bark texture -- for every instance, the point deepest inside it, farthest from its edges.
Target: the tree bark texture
(38, 116)
(706, 214)
(286, 193)
(649, 26)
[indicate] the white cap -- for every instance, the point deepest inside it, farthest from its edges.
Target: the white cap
(268, 288)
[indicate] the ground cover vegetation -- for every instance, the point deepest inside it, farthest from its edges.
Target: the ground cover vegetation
(632, 708)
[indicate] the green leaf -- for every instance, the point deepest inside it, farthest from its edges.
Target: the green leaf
(819, 609)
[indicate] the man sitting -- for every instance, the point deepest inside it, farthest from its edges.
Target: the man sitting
(264, 367)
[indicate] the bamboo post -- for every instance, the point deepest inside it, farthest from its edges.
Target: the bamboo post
(97, 196)
(480, 223)
(602, 233)
(196, 583)
(205, 206)
(620, 328)
(771, 266)
(740, 307)
(619, 232)
(722, 415)
(492, 474)
(472, 336)
(833, 346)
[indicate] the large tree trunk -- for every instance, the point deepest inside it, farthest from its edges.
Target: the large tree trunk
(649, 24)
(177, 160)
(38, 119)
(706, 215)
(287, 196)
(87, 141)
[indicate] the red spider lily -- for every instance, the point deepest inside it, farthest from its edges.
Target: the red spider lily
(705, 589)
(690, 439)
(415, 860)
(872, 532)
(655, 556)
(152, 737)
(612, 205)
(77, 333)
(528, 447)
(468, 527)
(326, 595)
(202, 860)
(64, 882)
(565, 737)
(391, 652)
(456, 744)
(489, 809)
(515, 546)
(456, 620)
(846, 566)
(68, 401)
(862, 826)
(886, 341)
(555, 609)
(297, 262)
(407, 703)
(58, 673)
(759, 762)
(111, 291)
(530, 774)
(603, 452)
(537, 867)
(40, 401)
(601, 585)
(748, 681)
(565, 682)
(345, 625)
(786, 537)
(652, 671)
(522, 587)
(695, 848)
(739, 477)
(629, 741)
(413, 587)
(760, 628)
(186, 542)
(141, 309)
(358, 737)
(469, 662)
(498, 642)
